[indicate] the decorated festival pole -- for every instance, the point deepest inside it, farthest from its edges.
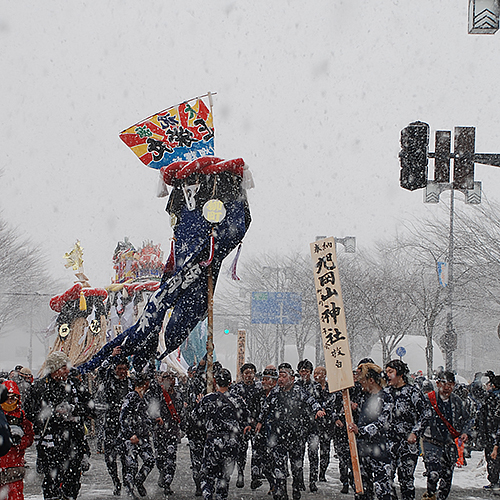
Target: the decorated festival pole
(179, 142)
(334, 335)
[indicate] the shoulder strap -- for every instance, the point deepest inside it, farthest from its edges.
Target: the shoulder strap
(432, 398)
(170, 406)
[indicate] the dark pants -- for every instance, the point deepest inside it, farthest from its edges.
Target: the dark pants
(325, 442)
(261, 458)
(283, 450)
(112, 451)
(196, 445)
(493, 466)
(313, 455)
(439, 462)
(219, 459)
(165, 443)
(131, 453)
(341, 446)
(377, 479)
(406, 457)
(242, 456)
(62, 468)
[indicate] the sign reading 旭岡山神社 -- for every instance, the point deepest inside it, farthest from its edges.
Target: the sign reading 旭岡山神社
(331, 315)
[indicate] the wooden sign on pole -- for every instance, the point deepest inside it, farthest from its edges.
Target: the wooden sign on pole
(334, 334)
(240, 359)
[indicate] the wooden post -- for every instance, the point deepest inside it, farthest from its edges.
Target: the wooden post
(358, 483)
(210, 333)
(240, 355)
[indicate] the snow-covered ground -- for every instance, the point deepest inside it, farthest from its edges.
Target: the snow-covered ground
(473, 475)
(468, 481)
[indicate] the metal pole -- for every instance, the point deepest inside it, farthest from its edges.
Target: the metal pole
(450, 342)
(277, 345)
(30, 350)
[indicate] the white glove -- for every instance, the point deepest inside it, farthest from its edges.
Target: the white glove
(16, 433)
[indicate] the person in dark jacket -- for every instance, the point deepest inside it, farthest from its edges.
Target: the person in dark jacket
(114, 385)
(224, 417)
(196, 388)
(440, 450)
(285, 415)
(264, 459)
(411, 415)
(373, 435)
(135, 435)
(164, 408)
(58, 406)
(250, 391)
(487, 426)
(313, 388)
(325, 425)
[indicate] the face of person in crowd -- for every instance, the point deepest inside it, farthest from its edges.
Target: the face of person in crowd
(393, 379)
(248, 376)
(285, 379)
(364, 382)
(305, 375)
(268, 383)
(27, 377)
(320, 375)
(11, 403)
(121, 372)
(166, 381)
(61, 374)
(445, 388)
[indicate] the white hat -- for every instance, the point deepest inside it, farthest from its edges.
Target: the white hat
(56, 360)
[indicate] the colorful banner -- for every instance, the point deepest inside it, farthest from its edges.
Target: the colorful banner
(183, 132)
(331, 315)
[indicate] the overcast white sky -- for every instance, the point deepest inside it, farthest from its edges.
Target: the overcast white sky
(312, 95)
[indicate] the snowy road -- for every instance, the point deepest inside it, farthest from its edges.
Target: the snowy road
(467, 482)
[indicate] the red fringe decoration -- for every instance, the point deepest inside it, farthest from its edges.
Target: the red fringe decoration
(170, 264)
(234, 276)
(206, 263)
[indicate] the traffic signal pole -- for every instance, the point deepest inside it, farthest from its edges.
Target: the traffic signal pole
(450, 341)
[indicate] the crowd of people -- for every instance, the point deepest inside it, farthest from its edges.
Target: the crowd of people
(280, 414)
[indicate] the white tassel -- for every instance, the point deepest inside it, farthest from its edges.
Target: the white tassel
(247, 182)
(162, 189)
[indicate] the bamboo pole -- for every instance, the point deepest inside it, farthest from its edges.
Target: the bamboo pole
(210, 332)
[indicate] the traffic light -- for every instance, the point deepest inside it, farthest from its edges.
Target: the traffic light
(413, 156)
(442, 156)
(463, 165)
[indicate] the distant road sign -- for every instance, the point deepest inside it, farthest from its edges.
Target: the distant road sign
(276, 308)
(401, 351)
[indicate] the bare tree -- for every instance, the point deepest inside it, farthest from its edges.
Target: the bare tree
(377, 288)
(272, 273)
(22, 275)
